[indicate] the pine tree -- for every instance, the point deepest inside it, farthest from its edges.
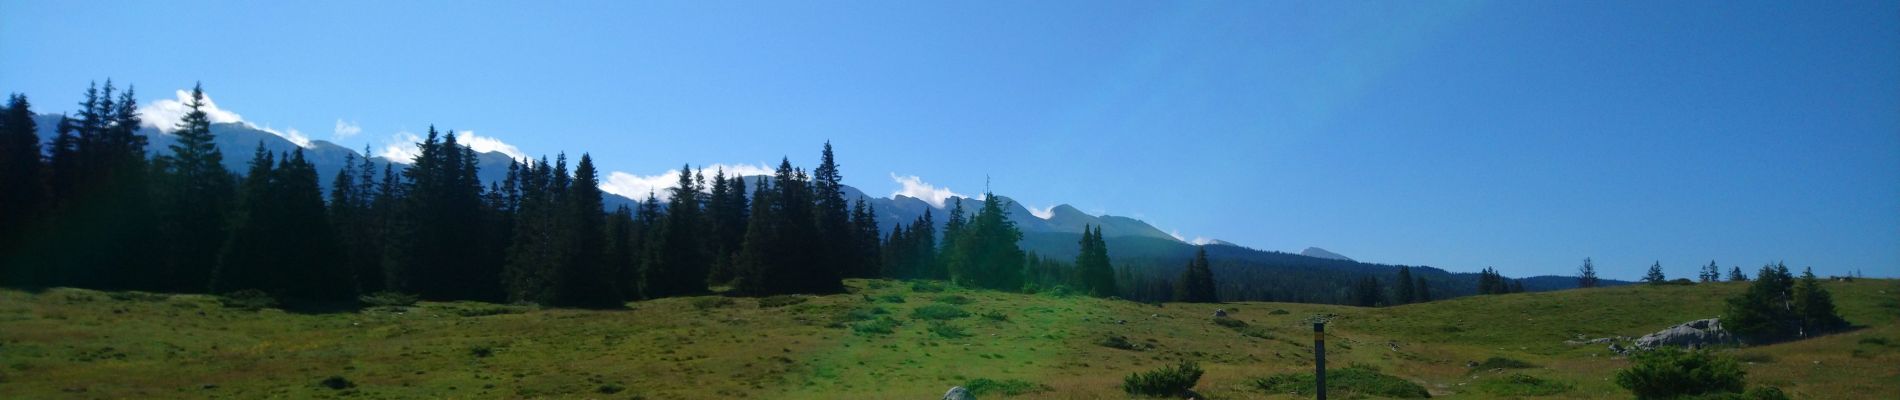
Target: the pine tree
(20, 169)
(950, 250)
(23, 199)
(719, 219)
(1655, 275)
(1368, 293)
(280, 240)
(1424, 291)
(441, 216)
(755, 268)
(1093, 272)
(837, 235)
(1197, 281)
(196, 195)
(1735, 275)
(987, 255)
(682, 266)
(1766, 312)
(925, 258)
(865, 239)
(1815, 306)
(620, 257)
(1404, 291)
(647, 221)
(1587, 275)
(583, 277)
(1710, 273)
(540, 236)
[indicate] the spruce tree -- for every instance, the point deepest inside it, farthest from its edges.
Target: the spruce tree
(987, 254)
(540, 236)
(1404, 292)
(1368, 293)
(682, 265)
(647, 221)
(1196, 284)
(1735, 275)
(1587, 274)
(925, 257)
(583, 277)
(1424, 291)
(756, 267)
(1655, 275)
(20, 169)
(197, 192)
(1815, 306)
(837, 237)
(865, 239)
(280, 241)
(622, 264)
(1092, 264)
(440, 218)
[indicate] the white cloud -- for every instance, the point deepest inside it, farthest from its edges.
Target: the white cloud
(164, 114)
(637, 186)
(345, 130)
(401, 146)
(914, 186)
(485, 144)
(1044, 213)
(1197, 240)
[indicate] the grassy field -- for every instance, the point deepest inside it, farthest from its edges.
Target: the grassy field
(70, 343)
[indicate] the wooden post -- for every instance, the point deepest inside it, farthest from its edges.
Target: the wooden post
(1319, 358)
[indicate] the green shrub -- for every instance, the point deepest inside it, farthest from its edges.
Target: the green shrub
(336, 383)
(388, 299)
(610, 388)
(1256, 333)
(1119, 342)
(994, 315)
(938, 312)
(862, 314)
(1359, 380)
(486, 310)
(711, 302)
(982, 387)
(891, 298)
(878, 284)
(138, 296)
(481, 351)
(1501, 363)
(781, 300)
(1230, 323)
(1669, 372)
(1518, 384)
(947, 330)
(1874, 340)
(879, 326)
(926, 286)
(1174, 381)
(956, 299)
(1278, 311)
(247, 299)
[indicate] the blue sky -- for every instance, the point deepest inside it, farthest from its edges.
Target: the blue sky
(1521, 135)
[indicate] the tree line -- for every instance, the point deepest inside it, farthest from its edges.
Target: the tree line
(93, 211)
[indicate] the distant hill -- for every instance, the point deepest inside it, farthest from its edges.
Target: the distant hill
(1322, 253)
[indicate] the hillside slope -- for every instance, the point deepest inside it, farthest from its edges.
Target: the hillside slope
(81, 343)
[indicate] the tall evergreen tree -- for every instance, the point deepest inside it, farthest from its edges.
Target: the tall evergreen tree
(540, 236)
(1424, 291)
(925, 259)
(1766, 312)
(647, 223)
(621, 261)
(1815, 306)
(1197, 281)
(838, 236)
(756, 266)
(682, 265)
(195, 195)
(1587, 274)
(441, 216)
(1368, 293)
(1655, 275)
(1710, 273)
(1092, 268)
(20, 170)
(584, 278)
(280, 241)
(1404, 291)
(1735, 275)
(865, 239)
(987, 254)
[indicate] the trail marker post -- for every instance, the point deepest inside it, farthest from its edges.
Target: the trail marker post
(1319, 358)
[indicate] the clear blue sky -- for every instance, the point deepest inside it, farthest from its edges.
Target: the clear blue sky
(1524, 135)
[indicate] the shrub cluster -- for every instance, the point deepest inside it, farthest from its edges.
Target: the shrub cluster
(1173, 381)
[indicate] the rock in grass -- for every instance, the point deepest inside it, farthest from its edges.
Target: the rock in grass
(1692, 334)
(958, 393)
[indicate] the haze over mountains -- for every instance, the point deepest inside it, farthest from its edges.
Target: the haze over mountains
(1133, 243)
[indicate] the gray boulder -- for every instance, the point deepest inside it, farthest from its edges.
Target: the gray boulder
(958, 393)
(1693, 334)
(1220, 313)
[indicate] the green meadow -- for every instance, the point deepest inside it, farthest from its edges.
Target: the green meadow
(888, 339)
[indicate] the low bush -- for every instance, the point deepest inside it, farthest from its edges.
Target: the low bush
(711, 302)
(956, 299)
(878, 284)
(1874, 340)
(994, 315)
(891, 298)
(336, 383)
(1359, 380)
(938, 312)
(983, 387)
(781, 300)
(1501, 363)
(1518, 384)
(948, 330)
(1230, 323)
(247, 299)
(1119, 342)
(926, 286)
(388, 299)
(1669, 372)
(486, 310)
(138, 296)
(879, 326)
(1278, 311)
(1171, 381)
